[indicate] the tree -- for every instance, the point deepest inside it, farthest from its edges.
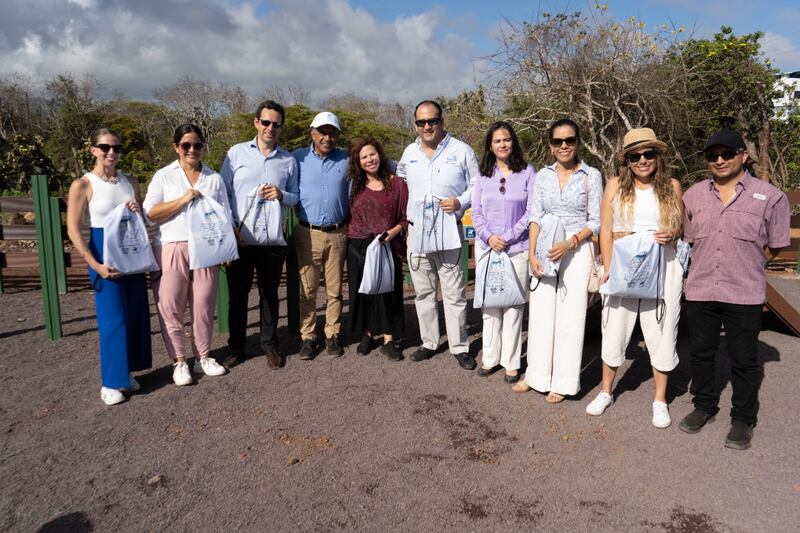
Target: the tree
(200, 102)
(25, 157)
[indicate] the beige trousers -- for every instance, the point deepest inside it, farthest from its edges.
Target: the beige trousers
(319, 254)
(427, 270)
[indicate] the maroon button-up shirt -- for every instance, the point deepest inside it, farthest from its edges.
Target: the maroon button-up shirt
(728, 241)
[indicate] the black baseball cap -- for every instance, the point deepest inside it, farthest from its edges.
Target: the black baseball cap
(727, 138)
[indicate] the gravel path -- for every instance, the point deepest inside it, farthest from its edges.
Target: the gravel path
(365, 444)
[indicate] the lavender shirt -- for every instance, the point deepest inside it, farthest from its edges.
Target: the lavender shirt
(506, 215)
(728, 240)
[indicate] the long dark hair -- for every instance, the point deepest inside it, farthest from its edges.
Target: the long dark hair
(516, 161)
(358, 175)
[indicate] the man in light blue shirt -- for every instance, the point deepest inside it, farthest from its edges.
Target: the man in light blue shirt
(321, 234)
(438, 165)
(253, 170)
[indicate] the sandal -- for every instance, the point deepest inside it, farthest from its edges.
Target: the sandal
(554, 397)
(521, 386)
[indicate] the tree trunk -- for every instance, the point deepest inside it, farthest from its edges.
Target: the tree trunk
(763, 152)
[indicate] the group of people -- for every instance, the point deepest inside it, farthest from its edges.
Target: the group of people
(347, 200)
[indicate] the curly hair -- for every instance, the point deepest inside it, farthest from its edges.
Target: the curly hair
(357, 174)
(669, 209)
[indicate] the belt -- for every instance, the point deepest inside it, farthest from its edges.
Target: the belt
(326, 229)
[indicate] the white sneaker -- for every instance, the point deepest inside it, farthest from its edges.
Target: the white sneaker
(661, 417)
(598, 406)
(208, 366)
(181, 374)
(111, 396)
(133, 385)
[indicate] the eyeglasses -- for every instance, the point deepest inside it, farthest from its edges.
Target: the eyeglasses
(727, 155)
(106, 147)
(634, 158)
(268, 123)
(570, 141)
(502, 185)
(435, 121)
(187, 146)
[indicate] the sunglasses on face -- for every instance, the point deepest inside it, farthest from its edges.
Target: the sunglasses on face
(429, 121)
(727, 155)
(634, 158)
(187, 146)
(569, 141)
(106, 147)
(267, 123)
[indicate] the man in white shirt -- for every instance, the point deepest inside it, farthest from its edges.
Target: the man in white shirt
(263, 167)
(440, 166)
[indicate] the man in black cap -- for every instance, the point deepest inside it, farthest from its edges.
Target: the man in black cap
(735, 224)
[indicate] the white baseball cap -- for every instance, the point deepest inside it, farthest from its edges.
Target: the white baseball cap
(326, 118)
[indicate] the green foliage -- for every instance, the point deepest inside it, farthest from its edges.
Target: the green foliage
(24, 157)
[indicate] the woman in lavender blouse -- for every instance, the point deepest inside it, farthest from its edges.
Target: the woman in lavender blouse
(501, 211)
(571, 190)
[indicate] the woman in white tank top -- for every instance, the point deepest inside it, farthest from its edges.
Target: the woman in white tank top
(642, 198)
(123, 318)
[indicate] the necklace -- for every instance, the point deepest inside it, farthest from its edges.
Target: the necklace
(113, 180)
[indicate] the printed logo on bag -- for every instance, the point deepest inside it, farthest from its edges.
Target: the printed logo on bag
(129, 237)
(495, 276)
(212, 228)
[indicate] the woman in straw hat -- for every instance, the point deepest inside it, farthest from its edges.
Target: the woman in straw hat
(643, 198)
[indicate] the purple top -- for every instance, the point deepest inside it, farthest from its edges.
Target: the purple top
(373, 212)
(506, 215)
(728, 240)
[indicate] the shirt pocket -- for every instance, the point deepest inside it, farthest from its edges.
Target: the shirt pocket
(744, 224)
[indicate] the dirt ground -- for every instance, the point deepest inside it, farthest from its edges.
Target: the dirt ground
(366, 444)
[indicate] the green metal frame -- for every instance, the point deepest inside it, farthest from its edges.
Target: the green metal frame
(42, 207)
(222, 300)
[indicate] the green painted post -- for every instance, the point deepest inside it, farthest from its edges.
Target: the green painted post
(47, 267)
(408, 274)
(58, 245)
(222, 300)
(292, 277)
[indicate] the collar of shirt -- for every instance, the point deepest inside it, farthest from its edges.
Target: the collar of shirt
(275, 151)
(331, 155)
(744, 181)
(439, 148)
(580, 168)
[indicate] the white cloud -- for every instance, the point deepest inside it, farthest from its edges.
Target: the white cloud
(781, 50)
(327, 47)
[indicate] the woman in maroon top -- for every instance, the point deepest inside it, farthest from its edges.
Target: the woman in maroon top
(377, 205)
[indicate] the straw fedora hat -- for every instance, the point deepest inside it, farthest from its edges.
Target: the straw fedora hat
(640, 138)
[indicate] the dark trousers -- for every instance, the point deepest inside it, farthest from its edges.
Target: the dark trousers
(267, 262)
(742, 325)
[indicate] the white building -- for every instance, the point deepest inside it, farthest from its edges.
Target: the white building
(788, 84)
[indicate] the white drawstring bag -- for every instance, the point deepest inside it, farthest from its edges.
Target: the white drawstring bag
(262, 223)
(434, 230)
(496, 283)
(638, 266)
(551, 231)
(378, 275)
(126, 246)
(211, 238)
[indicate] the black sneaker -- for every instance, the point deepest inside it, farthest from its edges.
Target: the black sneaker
(307, 350)
(392, 351)
(333, 347)
(365, 346)
(694, 421)
(739, 436)
(465, 360)
(422, 353)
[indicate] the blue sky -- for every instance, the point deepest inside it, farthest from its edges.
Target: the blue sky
(395, 51)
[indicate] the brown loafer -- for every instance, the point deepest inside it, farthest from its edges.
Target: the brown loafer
(232, 360)
(274, 359)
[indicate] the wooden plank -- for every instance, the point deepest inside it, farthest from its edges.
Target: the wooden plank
(794, 221)
(794, 197)
(784, 310)
(18, 259)
(16, 232)
(16, 205)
